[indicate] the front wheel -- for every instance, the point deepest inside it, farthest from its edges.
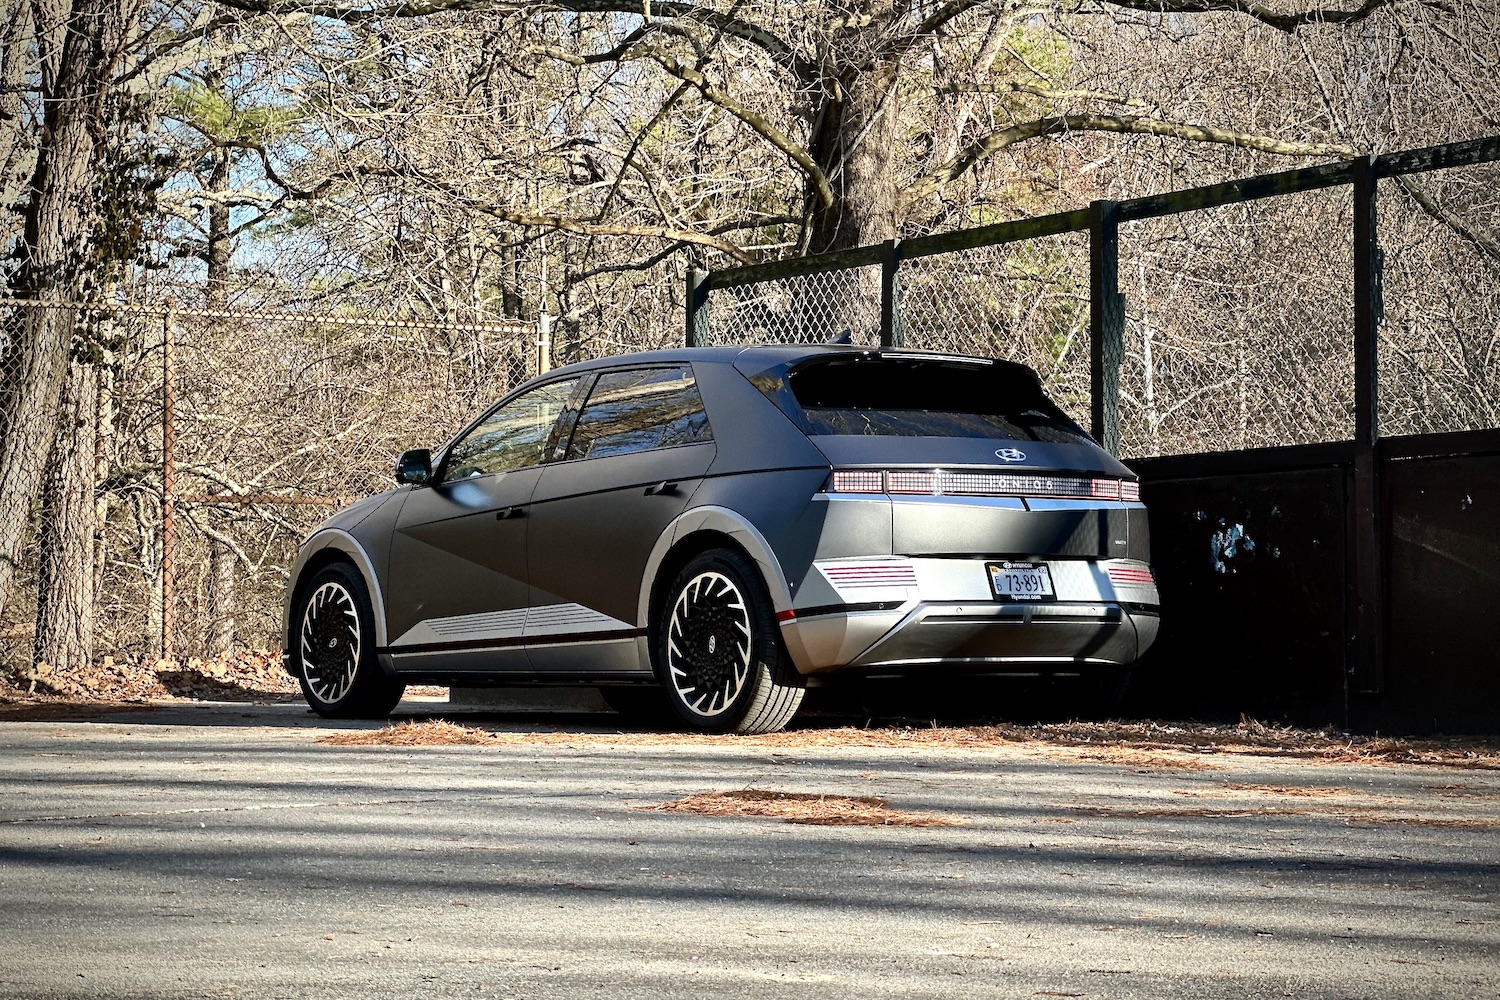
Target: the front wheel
(334, 646)
(719, 652)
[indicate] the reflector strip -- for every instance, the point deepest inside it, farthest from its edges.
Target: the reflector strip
(1131, 574)
(786, 616)
(871, 575)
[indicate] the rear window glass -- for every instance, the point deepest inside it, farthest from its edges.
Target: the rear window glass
(909, 397)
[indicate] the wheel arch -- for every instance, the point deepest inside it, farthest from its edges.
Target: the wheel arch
(697, 531)
(329, 546)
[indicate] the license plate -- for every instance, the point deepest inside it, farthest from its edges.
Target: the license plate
(1021, 581)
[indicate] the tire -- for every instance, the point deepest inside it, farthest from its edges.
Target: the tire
(333, 648)
(718, 649)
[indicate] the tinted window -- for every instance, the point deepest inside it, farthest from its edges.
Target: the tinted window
(910, 397)
(639, 410)
(512, 436)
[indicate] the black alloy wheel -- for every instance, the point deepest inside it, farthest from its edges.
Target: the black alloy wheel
(719, 652)
(334, 646)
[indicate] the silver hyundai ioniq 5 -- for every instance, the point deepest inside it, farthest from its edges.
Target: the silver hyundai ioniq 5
(712, 529)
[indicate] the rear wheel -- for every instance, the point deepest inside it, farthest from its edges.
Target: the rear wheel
(719, 652)
(334, 647)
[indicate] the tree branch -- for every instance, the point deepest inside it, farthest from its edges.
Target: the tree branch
(993, 143)
(355, 13)
(1489, 245)
(1045, 93)
(757, 122)
(539, 220)
(1279, 20)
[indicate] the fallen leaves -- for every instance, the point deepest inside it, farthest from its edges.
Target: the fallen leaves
(1149, 745)
(805, 808)
(433, 732)
(242, 675)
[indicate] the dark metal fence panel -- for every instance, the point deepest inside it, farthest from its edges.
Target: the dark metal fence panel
(1443, 672)
(1253, 569)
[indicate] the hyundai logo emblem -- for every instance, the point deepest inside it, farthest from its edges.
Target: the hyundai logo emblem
(1011, 455)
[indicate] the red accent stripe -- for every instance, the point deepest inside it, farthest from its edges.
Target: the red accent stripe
(786, 616)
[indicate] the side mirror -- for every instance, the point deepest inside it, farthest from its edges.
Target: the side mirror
(414, 466)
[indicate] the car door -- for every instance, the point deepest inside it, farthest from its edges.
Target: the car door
(458, 576)
(638, 451)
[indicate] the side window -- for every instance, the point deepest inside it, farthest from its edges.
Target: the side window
(512, 436)
(639, 410)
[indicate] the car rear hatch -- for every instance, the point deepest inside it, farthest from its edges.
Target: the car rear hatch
(973, 456)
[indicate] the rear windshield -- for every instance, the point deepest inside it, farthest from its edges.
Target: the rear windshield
(916, 397)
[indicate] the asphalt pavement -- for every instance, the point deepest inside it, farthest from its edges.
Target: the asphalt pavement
(222, 851)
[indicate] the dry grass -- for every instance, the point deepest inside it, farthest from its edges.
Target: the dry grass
(1153, 745)
(804, 808)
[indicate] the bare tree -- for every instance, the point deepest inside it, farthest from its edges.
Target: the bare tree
(79, 47)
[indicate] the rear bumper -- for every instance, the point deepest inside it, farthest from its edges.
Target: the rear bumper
(943, 613)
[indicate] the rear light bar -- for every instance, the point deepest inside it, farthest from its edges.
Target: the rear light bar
(942, 482)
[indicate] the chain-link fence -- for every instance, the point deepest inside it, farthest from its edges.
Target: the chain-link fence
(1440, 338)
(1239, 321)
(1026, 301)
(1239, 327)
(193, 451)
(819, 307)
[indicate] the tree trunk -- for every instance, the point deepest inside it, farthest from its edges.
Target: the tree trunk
(221, 623)
(853, 140)
(856, 134)
(78, 53)
(65, 573)
(221, 579)
(15, 62)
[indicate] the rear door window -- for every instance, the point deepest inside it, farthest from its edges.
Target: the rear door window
(920, 397)
(640, 409)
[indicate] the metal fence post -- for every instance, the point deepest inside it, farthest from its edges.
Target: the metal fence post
(168, 477)
(1369, 618)
(1106, 324)
(697, 298)
(544, 341)
(891, 334)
